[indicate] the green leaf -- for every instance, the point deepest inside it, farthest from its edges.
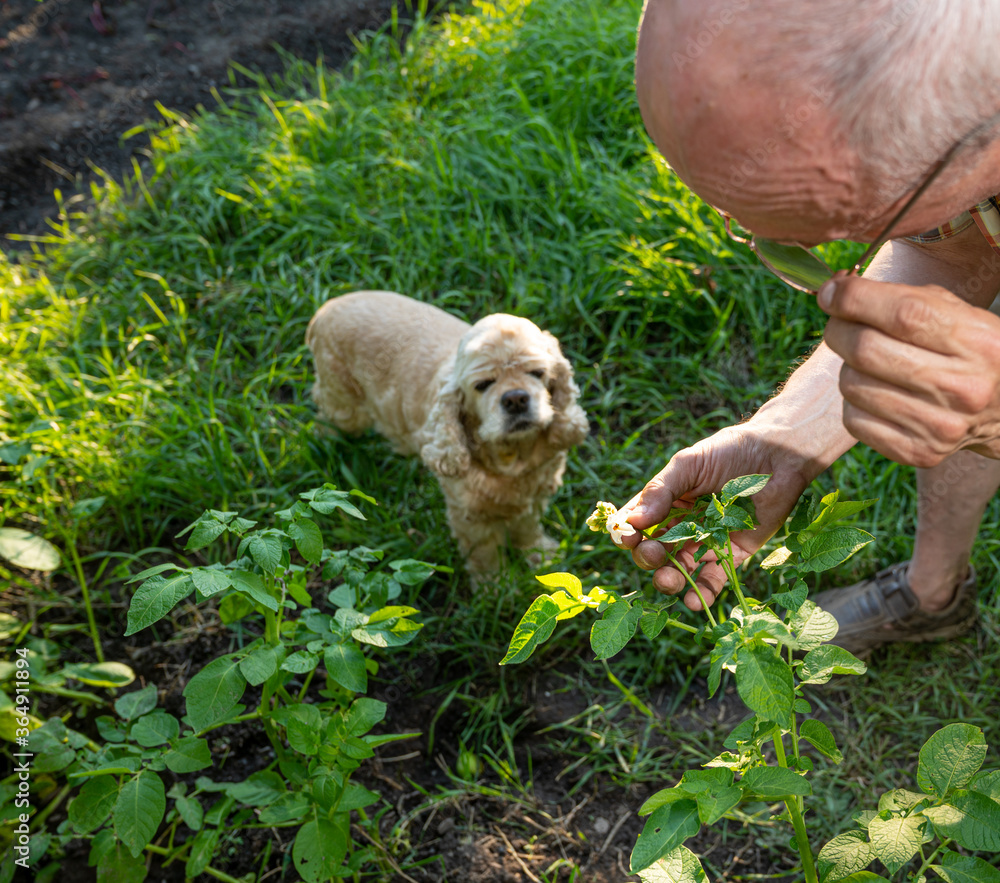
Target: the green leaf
(25, 550)
(812, 626)
(308, 539)
(744, 486)
(190, 811)
(189, 755)
(156, 728)
(957, 868)
(764, 683)
(357, 797)
(722, 655)
(292, 806)
(93, 804)
(987, 783)
(666, 829)
(831, 510)
(233, 607)
(328, 499)
(345, 663)
(714, 803)
(363, 714)
(214, 692)
(827, 660)
(680, 865)
(203, 848)
(155, 598)
(116, 864)
(900, 800)
(151, 571)
(210, 581)
(410, 572)
(818, 734)
(535, 627)
(300, 662)
(830, 548)
(259, 665)
(895, 839)
(680, 533)
(950, 758)
(611, 633)
(794, 598)
(85, 508)
(264, 547)
(655, 619)
(113, 675)
(392, 632)
(863, 877)
(320, 847)
(139, 810)
(972, 820)
(663, 797)
(251, 584)
(764, 624)
(774, 783)
(205, 530)
(845, 854)
(304, 728)
(259, 789)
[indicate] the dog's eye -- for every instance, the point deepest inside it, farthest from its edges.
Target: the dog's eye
(538, 372)
(484, 385)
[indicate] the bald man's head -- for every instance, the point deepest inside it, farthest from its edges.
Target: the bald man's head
(773, 111)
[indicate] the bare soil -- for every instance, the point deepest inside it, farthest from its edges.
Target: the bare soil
(75, 75)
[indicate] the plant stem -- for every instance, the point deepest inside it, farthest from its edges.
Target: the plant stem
(733, 577)
(694, 586)
(81, 580)
(794, 806)
(219, 875)
(53, 804)
(927, 861)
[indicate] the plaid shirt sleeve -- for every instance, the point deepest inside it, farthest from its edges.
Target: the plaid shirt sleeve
(985, 215)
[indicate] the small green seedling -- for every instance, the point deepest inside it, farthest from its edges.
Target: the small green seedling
(774, 649)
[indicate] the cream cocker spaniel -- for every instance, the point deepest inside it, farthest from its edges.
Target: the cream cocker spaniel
(490, 408)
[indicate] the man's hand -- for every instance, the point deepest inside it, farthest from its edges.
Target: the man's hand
(921, 373)
(705, 468)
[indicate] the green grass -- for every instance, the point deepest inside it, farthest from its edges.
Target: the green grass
(153, 351)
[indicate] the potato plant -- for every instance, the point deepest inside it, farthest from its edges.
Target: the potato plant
(134, 791)
(774, 649)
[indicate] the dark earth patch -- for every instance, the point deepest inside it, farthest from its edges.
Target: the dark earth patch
(75, 75)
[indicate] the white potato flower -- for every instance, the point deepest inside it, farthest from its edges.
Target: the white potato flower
(608, 519)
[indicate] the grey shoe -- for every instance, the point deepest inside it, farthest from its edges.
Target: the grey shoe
(882, 609)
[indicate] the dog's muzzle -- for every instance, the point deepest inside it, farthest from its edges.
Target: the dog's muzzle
(516, 405)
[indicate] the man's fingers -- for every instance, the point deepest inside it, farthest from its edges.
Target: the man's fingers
(649, 554)
(875, 354)
(652, 504)
(923, 316)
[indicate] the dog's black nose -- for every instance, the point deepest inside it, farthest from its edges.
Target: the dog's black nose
(515, 401)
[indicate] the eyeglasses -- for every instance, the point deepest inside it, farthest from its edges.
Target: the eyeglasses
(807, 271)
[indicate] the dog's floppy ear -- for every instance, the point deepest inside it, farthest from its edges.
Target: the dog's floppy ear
(569, 425)
(445, 450)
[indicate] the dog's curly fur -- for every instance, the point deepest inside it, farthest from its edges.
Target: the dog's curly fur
(491, 408)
